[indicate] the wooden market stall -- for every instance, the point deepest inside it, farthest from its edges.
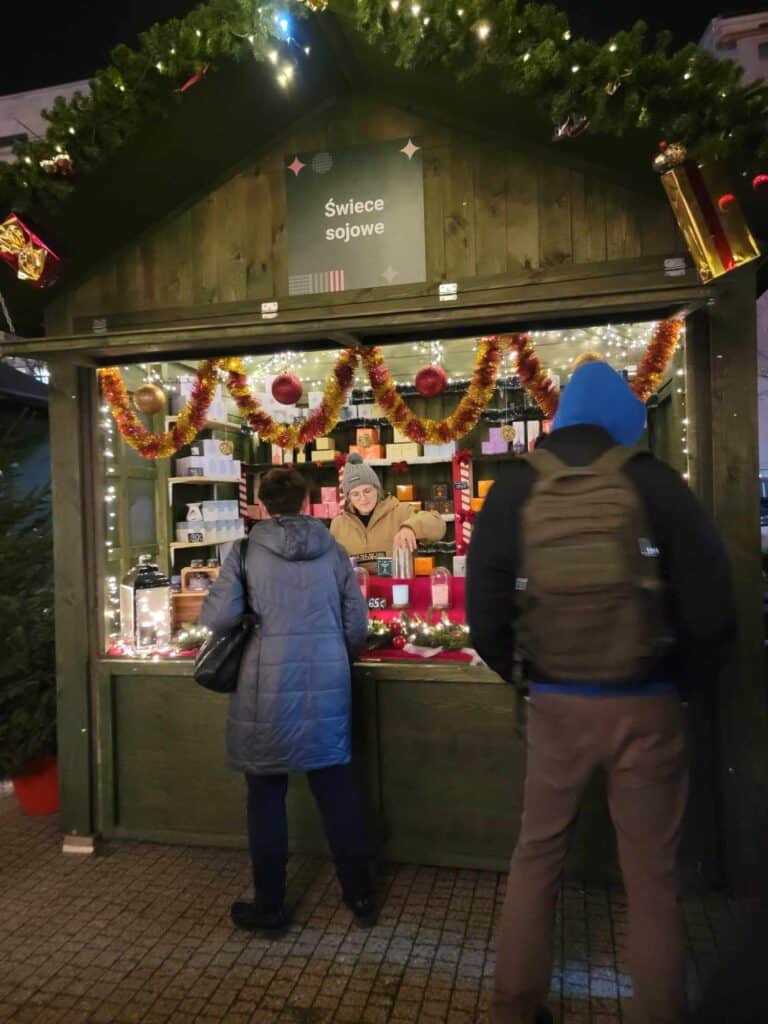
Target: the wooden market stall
(191, 244)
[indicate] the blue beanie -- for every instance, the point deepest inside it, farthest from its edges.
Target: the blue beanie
(597, 395)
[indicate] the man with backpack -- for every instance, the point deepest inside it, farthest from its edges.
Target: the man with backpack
(594, 566)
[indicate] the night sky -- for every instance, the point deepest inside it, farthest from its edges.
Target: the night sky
(48, 42)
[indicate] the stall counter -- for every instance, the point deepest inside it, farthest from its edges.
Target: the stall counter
(438, 749)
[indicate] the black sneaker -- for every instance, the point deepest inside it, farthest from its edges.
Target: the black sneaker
(543, 1016)
(251, 917)
(364, 909)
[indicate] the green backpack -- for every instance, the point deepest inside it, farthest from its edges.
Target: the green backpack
(590, 599)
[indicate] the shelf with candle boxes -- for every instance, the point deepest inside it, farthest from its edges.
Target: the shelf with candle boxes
(204, 498)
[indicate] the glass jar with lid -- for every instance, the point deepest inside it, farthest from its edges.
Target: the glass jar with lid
(440, 589)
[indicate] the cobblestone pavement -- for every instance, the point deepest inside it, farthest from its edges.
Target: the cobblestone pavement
(141, 933)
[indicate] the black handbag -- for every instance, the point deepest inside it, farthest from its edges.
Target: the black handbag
(217, 664)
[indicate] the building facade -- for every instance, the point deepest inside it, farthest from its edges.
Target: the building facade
(742, 38)
(21, 113)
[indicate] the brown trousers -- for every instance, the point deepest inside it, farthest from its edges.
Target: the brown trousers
(640, 743)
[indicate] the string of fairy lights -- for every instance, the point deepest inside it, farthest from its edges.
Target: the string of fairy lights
(109, 460)
(621, 344)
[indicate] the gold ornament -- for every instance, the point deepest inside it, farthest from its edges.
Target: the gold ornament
(226, 448)
(508, 433)
(318, 6)
(149, 399)
(671, 155)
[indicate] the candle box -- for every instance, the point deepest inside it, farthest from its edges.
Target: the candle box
(366, 436)
(329, 494)
(445, 508)
(440, 451)
(404, 492)
(334, 509)
(320, 510)
(460, 566)
(374, 451)
(324, 444)
(423, 565)
(403, 451)
(324, 456)
(211, 446)
(494, 447)
(277, 455)
(441, 491)
(301, 457)
(433, 506)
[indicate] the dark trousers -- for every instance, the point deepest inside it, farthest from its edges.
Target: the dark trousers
(640, 743)
(338, 800)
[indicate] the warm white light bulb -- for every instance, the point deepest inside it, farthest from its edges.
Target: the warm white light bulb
(483, 30)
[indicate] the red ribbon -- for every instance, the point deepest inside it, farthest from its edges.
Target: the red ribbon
(710, 215)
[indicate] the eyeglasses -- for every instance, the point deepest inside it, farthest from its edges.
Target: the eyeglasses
(362, 492)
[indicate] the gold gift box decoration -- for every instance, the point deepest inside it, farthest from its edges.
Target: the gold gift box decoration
(707, 213)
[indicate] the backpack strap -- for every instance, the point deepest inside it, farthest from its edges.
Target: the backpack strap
(548, 465)
(545, 463)
(614, 460)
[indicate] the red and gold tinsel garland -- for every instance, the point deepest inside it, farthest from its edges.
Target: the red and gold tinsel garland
(466, 414)
(532, 374)
(322, 420)
(190, 421)
(660, 350)
(319, 422)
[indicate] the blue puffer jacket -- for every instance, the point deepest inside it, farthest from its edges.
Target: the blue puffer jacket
(290, 712)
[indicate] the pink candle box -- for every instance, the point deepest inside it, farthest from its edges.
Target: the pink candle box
(329, 495)
(320, 510)
(334, 509)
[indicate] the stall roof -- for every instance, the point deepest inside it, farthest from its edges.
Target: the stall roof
(238, 112)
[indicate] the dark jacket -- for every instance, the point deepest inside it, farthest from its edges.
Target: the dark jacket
(290, 711)
(693, 562)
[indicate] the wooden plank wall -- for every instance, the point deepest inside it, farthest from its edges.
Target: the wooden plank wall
(489, 210)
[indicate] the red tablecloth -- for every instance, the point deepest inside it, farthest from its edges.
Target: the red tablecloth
(419, 592)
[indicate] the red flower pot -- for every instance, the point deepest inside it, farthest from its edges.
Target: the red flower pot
(38, 790)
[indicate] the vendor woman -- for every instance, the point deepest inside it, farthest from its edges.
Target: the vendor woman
(373, 525)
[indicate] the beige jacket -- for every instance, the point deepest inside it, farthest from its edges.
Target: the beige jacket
(375, 540)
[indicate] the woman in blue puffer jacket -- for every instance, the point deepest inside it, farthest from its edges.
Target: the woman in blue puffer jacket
(291, 709)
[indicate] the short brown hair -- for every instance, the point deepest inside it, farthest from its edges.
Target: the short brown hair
(282, 491)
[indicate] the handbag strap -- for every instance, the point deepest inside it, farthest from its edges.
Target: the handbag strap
(244, 570)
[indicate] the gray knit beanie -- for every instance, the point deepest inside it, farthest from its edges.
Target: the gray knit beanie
(357, 472)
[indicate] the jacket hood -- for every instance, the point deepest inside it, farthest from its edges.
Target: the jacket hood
(597, 395)
(295, 538)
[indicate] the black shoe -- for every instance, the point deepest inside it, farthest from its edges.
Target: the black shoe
(543, 1016)
(251, 917)
(364, 909)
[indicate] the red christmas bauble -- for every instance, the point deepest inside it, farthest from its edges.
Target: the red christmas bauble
(726, 201)
(287, 389)
(431, 381)
(398, 642)
(760, 182)
(396, 627)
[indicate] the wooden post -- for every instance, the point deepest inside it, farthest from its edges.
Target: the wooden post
(742, 710)
(68, 410)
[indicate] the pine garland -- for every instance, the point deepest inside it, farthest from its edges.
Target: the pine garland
(141, 86)
(615, 88)
(627, 83)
